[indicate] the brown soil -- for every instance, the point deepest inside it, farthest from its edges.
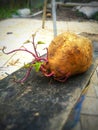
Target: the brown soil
(66, 13)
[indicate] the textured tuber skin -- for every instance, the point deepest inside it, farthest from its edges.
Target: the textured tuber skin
(68, 54)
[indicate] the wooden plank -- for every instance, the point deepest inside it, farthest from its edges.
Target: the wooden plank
(44, 14)
(40, 103)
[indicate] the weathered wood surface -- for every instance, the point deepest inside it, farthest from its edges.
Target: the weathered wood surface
(40, 103)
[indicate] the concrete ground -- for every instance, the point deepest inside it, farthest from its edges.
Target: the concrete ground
(89, 113)
(14, 32)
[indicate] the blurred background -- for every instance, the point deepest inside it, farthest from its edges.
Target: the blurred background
(8, 7)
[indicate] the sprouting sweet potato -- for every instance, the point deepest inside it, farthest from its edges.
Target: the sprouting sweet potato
(68, 54)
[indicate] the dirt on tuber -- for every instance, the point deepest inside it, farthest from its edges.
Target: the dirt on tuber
(69, 54)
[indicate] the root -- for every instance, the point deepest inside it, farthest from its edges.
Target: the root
(25, 78)
(49, 75)
(63, 79)
(44, 70)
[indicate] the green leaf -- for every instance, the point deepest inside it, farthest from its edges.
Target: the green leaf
(27, 65)
(28, 41)
(41, 42)
(37, 66)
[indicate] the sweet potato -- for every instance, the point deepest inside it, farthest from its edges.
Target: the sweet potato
(69, 54)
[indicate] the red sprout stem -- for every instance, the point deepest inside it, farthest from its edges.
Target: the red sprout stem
(34, 46)
(26, 76)
(64, 78)
(61, 80)
(43, 69)
(49, 75)
(41, 59)
(47, 52)
(20, 50)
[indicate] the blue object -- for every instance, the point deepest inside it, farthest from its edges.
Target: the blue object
(75, 114)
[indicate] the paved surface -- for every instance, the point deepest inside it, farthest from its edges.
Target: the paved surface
(14, 32)
(89, 114)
